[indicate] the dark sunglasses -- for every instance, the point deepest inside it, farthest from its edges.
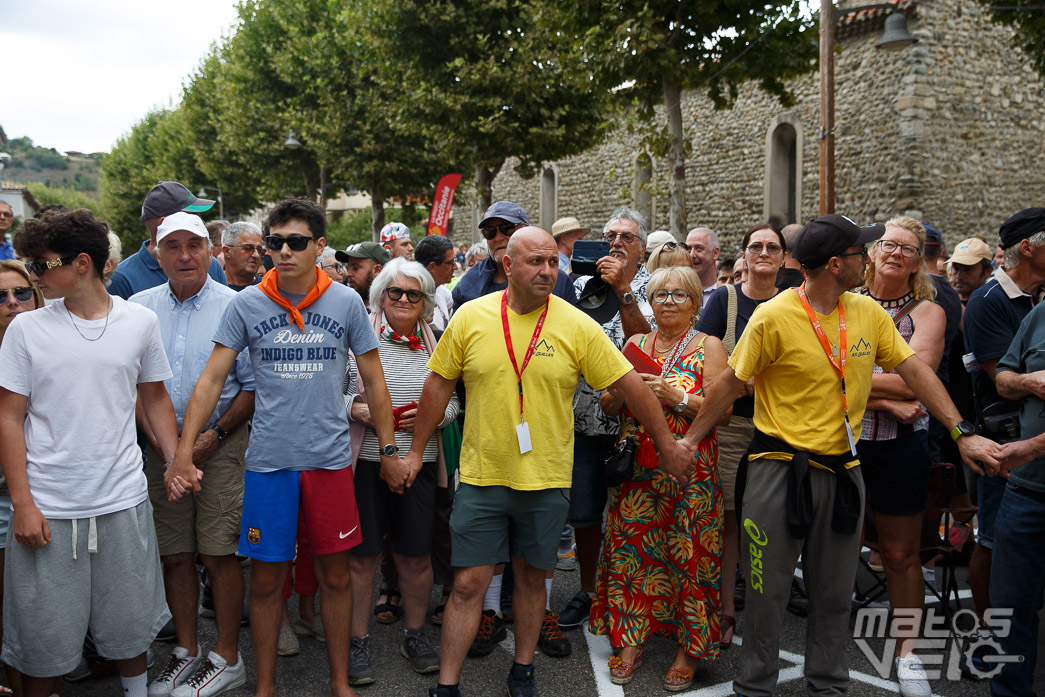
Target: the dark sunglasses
(490, 231)
(672, 246)
(39, 268)
(21, 293)
(295, 242)
(412, 296)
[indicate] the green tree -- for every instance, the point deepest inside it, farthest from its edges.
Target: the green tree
(62, 196)
(649, 51)
(1028, 21)
(484, 81)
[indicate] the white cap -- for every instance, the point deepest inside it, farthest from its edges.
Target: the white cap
(656, 239)
(182, 221)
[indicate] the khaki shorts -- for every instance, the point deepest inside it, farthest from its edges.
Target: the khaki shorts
(209, 522)
(733, 442)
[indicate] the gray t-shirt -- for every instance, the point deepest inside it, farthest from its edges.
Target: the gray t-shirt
(299, 416)
(1026, 354)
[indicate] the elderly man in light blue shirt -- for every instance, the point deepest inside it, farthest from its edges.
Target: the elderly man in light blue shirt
(190, 306)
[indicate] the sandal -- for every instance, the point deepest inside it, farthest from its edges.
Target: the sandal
(728, 624)
(678, 679)
(389, 611)
(621, 672)
(436, 617)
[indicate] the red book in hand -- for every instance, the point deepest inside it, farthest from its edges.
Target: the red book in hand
(397, 413)
(640, 360)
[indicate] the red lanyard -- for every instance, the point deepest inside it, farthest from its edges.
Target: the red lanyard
(840, 366)
(529, 350)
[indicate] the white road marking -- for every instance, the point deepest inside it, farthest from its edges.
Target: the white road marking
(599, 652)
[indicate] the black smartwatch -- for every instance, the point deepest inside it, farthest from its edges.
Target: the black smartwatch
(220, 431)
(390, 450)
(963, 428)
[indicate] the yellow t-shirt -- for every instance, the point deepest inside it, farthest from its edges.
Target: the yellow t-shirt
(473, 346)
(798, 393)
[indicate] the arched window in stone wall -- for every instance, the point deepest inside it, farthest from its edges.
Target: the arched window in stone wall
(783, 179)
(642, 195)
(549, 197)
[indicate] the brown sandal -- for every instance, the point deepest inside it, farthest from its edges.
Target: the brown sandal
(728, 624)
(622, 672)
(678, 679)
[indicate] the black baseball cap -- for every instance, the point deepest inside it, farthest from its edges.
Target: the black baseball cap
(829, 236)
(1026, 223)
(170, 197)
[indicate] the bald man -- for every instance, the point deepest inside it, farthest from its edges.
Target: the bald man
(515, 468)
(703, 246)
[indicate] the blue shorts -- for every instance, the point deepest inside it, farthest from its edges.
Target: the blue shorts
(276, 503)
(5, 519)
(589, 493)
(989, 493)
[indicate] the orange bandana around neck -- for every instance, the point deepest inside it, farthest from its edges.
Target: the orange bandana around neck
(269, 287)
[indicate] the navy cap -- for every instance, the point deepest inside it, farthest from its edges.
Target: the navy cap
(170, 197)
(1024, 224)
(932, 235)
(505, 210)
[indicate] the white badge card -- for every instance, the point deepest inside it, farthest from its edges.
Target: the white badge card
(849, 435)
(523, 432)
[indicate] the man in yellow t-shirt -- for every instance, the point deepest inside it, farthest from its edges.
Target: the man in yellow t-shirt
(517, 452)
(804, 486)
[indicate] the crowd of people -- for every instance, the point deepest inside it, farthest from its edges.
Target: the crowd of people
(679, 426)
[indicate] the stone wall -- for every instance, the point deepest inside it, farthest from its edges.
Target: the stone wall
(949, 129)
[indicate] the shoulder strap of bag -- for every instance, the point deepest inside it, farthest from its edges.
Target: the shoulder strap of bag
(729, 341)
(906, 310)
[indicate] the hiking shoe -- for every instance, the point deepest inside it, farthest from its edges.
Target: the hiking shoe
(287, 644)
(521, 682)
(910, 673)
(567, 561)
(360, 665)
(552, 641)
(491, 631)
(312, 629)
(416, 648)
(212, 677)
(576, 612)
(180, 667)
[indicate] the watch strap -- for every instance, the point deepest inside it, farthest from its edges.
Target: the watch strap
(222, 435)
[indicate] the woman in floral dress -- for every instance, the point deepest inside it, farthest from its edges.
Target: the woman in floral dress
(659, 568)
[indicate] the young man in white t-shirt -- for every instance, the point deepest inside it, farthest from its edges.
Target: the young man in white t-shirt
(84, 554)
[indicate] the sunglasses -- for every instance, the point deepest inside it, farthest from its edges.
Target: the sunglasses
(412, 296)
(296, 242)
(21, 293)
(672, 246)
(251, 248)
(39, 268)
(490, 231)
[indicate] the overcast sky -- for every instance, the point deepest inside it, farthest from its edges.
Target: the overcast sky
(77, 75)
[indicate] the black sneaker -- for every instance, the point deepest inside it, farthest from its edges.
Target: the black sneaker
(797, 604)
(521, 682)
(443, 692)
(360, 665)
(491, 632)
(416, 648)
(167, 632)
(552, 641)
(576, 612)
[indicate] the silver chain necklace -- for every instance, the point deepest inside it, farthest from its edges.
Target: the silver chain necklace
(108, 312)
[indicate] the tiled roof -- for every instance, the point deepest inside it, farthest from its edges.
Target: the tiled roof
(859, 21)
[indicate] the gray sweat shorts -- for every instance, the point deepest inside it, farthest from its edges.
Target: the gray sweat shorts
(101, 574)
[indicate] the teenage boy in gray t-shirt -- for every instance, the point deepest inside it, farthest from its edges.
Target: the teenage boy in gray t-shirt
(298, 327)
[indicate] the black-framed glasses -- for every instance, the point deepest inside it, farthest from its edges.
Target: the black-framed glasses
(862, 254)
(625, 237)
(490, 231)
(39, 268)
(412, 296)
(296, 242)
(908, 251)
(661, 295)
(21, 293)
(251, 248)
(771, 249)
(336, 266)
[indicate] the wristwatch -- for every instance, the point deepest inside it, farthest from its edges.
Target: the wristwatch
(681, 406)
(389, 450)
(628, 298)
(220, 431)
(963, 428)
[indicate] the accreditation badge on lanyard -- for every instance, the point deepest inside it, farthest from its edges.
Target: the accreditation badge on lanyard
(838, 365)
(522, 431)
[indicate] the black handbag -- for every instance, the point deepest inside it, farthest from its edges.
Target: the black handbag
(619, 463)
(1001, 421)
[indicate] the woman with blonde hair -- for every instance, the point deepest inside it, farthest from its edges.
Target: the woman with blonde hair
(893, 446)
(668, 254)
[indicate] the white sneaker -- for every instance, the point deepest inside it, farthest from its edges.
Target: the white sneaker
(910, 673)
(178, 669)
(567, 560)
(213, 677)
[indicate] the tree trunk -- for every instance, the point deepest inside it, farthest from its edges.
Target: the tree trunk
(676, 157)
(377, 211)
(484, 177)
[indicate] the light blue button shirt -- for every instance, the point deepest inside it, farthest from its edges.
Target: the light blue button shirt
(187, 329)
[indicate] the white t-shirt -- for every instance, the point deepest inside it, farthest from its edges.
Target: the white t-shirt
(82, 458)
(444, 307)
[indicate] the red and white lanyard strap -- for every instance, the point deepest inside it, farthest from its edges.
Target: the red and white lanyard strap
(529, 350)
(840, 364)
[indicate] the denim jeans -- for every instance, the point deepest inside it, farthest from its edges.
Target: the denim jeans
(1018, 582)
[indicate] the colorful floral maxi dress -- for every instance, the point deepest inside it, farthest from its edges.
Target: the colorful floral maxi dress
(660, 564)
